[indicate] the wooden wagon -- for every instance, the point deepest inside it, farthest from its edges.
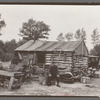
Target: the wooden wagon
(10, 79)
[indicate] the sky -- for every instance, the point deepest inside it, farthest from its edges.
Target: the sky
(60, 18)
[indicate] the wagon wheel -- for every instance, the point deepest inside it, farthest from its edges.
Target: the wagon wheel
(6, 84)
(65, 79)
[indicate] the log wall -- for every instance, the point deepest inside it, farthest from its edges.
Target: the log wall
(80, 61)
(63, 61)
(68, 61)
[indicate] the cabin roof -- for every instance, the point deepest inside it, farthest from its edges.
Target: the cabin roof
(40, 45)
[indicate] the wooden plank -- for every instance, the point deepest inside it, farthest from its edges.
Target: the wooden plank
(11, 82)
(49, 54)
(6, 73)
(47, 63)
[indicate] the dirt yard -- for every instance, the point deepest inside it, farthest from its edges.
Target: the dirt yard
(33, 88)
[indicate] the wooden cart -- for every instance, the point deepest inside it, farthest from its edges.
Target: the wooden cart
(11, 77)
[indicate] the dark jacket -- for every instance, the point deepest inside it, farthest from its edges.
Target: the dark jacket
(53, 70)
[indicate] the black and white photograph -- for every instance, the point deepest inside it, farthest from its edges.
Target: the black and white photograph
(49, 50)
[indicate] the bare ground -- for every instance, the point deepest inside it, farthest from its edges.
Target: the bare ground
(33, 88)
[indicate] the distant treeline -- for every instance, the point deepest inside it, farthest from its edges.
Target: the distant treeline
(7, 49)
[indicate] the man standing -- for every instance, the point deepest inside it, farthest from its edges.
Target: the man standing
(53, 73)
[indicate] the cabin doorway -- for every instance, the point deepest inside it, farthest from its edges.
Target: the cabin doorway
(40, 58)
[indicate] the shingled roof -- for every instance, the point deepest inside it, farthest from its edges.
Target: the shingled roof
(48, 46)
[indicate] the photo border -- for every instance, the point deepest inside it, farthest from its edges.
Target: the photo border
(52, 2)
(49, 2)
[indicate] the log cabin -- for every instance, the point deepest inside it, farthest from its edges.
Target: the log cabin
(71, 54)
